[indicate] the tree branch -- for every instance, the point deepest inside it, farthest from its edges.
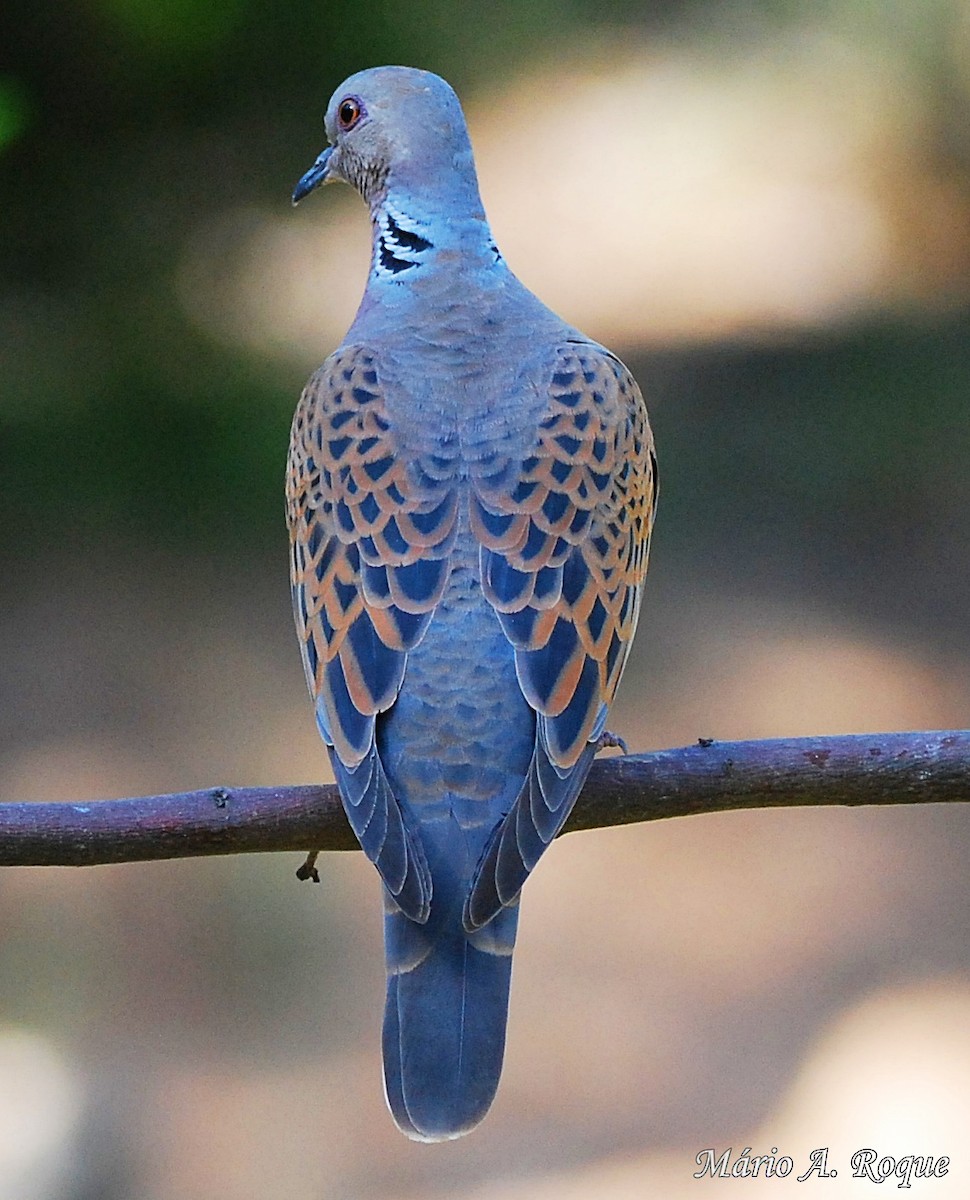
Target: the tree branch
(888, 768)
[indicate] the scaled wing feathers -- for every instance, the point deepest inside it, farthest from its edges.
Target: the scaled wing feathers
(564, 552)
(370, 558)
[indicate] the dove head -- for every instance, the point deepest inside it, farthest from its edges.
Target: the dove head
(399, 134)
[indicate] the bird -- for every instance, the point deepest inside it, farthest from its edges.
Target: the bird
(471, 490)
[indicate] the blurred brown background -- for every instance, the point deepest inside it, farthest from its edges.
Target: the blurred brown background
(764, 205)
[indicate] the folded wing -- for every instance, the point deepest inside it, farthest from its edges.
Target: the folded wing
(564, 540)
(370, 540)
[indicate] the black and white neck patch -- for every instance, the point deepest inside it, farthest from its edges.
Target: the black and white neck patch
(399, 248)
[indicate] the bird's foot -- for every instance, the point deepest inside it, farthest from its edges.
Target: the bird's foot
(610, 741)
(308, 869)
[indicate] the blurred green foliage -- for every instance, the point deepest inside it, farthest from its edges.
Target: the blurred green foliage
(175, 28)
(124, 122)
(14, 111)
(147, 116)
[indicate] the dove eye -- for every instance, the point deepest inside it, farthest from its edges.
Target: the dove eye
(349, 113)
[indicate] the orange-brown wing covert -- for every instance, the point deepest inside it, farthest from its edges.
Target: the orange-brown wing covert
(564, 555)
(370, 540)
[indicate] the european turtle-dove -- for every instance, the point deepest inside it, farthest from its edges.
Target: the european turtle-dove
(471, 490)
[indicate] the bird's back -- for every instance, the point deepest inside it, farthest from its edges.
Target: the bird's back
(458, 742)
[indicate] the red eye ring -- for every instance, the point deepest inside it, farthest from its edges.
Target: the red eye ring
(349, 113)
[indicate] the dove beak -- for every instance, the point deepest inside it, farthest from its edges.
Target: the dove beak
(317, 174)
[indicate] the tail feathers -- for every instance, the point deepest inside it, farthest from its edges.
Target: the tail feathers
(444, 1024)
